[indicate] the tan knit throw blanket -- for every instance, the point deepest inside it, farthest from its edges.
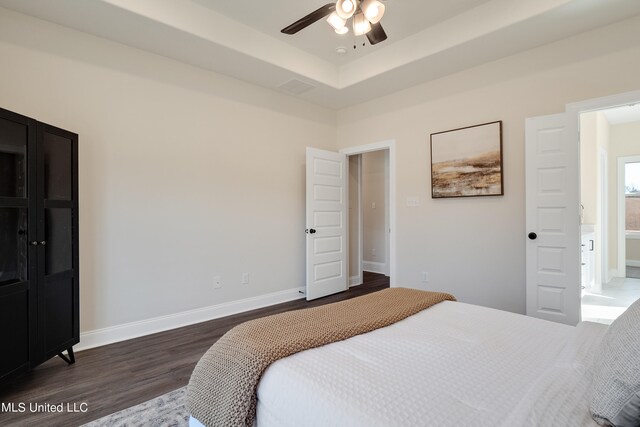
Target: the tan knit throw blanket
(222, 389)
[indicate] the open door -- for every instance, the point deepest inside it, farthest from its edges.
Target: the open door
(552, 219)
(327, 223)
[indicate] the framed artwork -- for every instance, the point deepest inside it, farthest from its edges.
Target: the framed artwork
(467, 162)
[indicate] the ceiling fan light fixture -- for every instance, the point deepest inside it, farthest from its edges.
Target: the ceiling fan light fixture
(373, 10)
(338, 15)
(336, 21)
(361, 25)
(345, 8)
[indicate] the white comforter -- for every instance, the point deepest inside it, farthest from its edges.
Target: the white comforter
(453, 364)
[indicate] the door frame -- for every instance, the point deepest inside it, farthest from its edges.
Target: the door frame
(573, 111)
(357, 279)
(389, 145)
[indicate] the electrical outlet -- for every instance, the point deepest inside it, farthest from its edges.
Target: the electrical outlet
(425, 277)
(217, 282)
(245, 279)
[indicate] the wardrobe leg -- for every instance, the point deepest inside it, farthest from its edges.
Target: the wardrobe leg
(71, 359)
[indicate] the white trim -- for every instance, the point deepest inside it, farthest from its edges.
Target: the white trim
(355, 280)
(360, 223)
(387, 227)
(596, 104)
(374, 267)
(391, 146)
(104, 336)
(633, 263)
(620, 231)
(632, 235)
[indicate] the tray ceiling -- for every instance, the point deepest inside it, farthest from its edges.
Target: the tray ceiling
(427, 38)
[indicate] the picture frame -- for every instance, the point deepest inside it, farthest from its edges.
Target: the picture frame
(467, 162)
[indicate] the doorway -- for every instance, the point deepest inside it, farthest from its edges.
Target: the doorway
(369, 239)
(372, 242)
(610, 201)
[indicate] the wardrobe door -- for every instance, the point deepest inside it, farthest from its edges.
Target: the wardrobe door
(58, 299)
(17, 230)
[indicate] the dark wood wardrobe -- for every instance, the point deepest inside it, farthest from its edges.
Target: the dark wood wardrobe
(39, 301)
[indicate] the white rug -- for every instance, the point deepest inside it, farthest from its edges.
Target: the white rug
(163, 411)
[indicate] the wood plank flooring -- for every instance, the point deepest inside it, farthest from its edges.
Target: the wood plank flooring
(114, 377)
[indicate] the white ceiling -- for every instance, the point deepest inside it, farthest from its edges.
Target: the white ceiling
(270, 16)
(427, 38)
(624, 114)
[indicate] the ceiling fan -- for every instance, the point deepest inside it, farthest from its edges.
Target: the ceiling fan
(364, 14)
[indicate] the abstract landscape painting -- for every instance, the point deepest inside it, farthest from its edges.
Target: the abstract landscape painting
(467, 162)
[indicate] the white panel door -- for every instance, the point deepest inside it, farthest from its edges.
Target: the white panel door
(327, 222)
(553, 225)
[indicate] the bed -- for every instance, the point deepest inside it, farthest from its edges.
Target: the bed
(451, 364)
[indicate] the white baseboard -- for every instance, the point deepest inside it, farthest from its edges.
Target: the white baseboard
(612, 273)
(633, 263)
(374, 267)
(104, 336)
(355, 280)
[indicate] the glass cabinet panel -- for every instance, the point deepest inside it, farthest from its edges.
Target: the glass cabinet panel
(14, 247)
(57, 167)
(59, 250)
(13, 159)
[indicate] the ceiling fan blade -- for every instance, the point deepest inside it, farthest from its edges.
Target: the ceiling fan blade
(314, 16)
(377, 34)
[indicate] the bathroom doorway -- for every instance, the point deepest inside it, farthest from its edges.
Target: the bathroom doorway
(608, 144)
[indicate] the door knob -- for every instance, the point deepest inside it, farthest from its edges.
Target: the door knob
(34, 243)
(43, 242)
(310, 230)
(533, 236)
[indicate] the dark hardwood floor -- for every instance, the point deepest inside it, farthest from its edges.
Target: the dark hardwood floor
(114, 377)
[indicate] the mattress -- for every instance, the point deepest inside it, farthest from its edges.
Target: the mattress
(452, 364)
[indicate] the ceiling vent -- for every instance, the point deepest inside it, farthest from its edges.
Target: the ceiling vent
(296, 87)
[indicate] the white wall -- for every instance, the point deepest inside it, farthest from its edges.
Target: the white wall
(632, 252)
(184, 174)
(374, 179)
(475, 247)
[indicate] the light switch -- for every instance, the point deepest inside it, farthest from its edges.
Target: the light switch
(413, 201)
